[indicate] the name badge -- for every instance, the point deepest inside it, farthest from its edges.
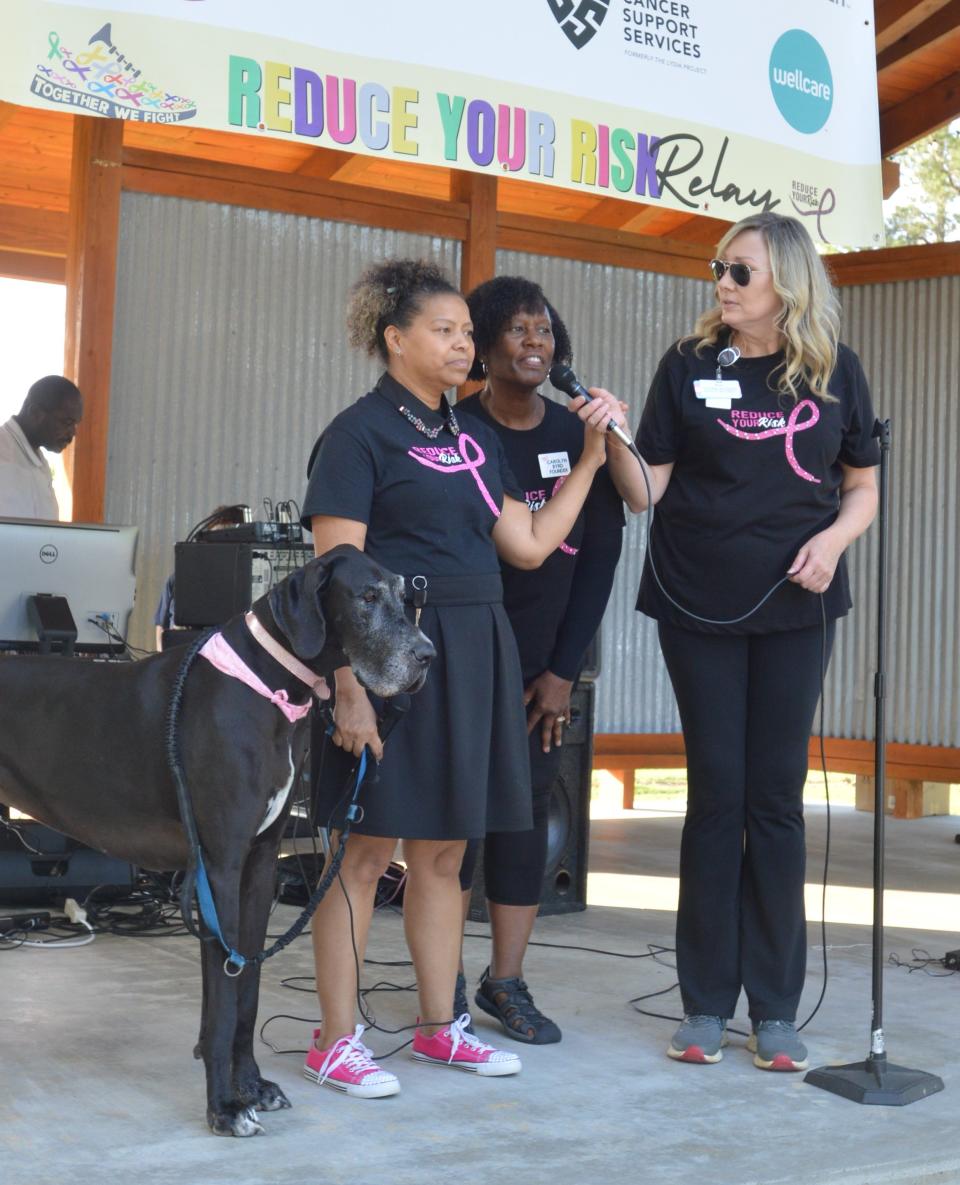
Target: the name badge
(554, 464)
(717, 392)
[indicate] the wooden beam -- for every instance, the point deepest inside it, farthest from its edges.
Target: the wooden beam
(574, 240)
(891, 264)
(890, 177)
(290, 193)
(322, 163)
(613, 213)
(638, 222)
(32, 230)
(91, 288)
(930, 763)
(478, 259)
(938, 26)
(896, 18)
(699, 229)
(21, 265)
(352, 170)
(919, 115)
(7, 112)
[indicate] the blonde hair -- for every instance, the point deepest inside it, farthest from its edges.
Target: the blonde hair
(809, 320)
(391, 293)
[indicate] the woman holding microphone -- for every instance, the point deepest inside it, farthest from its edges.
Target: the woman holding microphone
(758, 434)
(554, 611)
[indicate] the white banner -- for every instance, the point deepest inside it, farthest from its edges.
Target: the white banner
(720, 107)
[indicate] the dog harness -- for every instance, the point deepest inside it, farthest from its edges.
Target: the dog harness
(220, 654)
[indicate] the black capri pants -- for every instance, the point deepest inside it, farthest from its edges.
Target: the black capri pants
(747, 705)
(514, 861)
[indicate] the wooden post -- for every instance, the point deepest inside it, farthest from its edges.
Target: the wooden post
(478, 258)
(91, 289)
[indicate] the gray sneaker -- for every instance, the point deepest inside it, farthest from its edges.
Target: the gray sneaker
(776, 1046)
(699, 1039)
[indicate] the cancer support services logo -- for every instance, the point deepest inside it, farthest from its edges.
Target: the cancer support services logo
(580, 20)
(103, 81)
(801, 81)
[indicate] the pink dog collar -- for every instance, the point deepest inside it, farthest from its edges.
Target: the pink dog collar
(219, 653)
(316, 683)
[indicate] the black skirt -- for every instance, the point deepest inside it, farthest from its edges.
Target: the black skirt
(455, 765)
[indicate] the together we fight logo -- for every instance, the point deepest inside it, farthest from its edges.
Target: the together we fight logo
(102, 80)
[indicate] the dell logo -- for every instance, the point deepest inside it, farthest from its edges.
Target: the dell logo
(48, 553)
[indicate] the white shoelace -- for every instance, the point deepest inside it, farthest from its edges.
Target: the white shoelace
(353, 1054)
(459, 1036)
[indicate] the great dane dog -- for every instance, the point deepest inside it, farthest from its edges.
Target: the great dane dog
(83, 749)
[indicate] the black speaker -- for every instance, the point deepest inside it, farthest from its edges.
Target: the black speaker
(38, 864)
(568, 826)
(590, 668)
(211, 584)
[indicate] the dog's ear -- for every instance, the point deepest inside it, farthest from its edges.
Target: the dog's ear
(295, 605)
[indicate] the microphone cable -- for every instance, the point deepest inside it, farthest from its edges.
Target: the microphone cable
(564, 379)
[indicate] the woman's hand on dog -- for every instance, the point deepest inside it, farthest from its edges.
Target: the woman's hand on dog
(355, 722)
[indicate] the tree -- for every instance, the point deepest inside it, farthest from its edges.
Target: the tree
(930, 187)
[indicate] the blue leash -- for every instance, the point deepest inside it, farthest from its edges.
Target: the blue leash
(235, 962)
(195, 880)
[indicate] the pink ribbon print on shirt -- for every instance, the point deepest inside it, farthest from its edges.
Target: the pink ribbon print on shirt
(787, 428)
(458, 460)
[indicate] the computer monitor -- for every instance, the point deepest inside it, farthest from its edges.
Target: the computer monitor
(89, 564)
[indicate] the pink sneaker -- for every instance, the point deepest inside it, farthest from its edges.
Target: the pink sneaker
(457, 1048)
(348, 1066)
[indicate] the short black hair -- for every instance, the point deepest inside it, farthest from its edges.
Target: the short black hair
(48, 393)
(494, 302)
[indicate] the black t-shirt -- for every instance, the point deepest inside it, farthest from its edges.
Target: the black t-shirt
(429, 505)
(556, 609)
(750, 485)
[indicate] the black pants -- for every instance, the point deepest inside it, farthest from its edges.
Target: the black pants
(514, 861)
(747, 705)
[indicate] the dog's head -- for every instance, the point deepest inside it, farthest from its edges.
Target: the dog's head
(344, 603)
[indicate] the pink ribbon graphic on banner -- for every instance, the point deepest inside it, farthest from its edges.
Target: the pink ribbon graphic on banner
(789, 430)
(466, 463)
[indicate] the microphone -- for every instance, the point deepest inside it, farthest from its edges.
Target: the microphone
(563, 378)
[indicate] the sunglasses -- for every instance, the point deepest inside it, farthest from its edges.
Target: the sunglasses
(740, 273)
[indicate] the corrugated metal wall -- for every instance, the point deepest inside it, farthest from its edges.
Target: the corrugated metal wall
(229, 355)
(908, 337)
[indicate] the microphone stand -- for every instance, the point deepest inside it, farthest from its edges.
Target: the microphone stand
(875, 1080)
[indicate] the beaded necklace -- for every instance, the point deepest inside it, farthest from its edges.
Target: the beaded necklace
(449, 420)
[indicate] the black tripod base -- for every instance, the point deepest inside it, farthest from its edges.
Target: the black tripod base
(876, 1082)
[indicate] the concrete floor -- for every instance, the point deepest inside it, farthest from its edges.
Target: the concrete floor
(99, 1086)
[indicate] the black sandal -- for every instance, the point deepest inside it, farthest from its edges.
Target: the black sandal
(510, 1002)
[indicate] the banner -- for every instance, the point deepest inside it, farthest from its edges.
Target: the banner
(719, 107)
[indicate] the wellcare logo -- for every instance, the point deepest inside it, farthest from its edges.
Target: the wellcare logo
(801, 81)
(579, 19)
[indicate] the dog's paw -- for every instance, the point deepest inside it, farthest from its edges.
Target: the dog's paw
(261, 1094)
(235, 1119)
(267, 1096)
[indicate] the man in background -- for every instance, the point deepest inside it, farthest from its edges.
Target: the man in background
(48, 420)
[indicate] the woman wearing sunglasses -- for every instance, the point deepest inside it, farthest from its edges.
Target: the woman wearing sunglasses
(758, 433)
